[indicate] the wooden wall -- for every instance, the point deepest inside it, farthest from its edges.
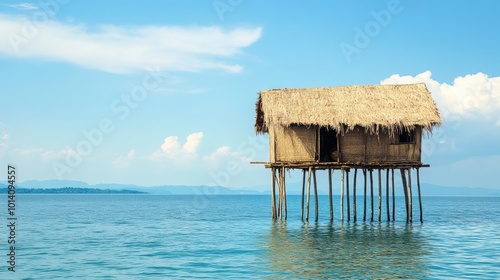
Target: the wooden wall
(407, 152)
(352, 146)
(272, 145)
(357, 146)
(299, 144)
(293, 144)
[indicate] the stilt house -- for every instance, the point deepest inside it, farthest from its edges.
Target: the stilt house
(367, 126)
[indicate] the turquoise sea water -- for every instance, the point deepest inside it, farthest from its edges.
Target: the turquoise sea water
(169, 237)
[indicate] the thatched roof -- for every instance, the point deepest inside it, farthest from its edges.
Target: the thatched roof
(374, 107)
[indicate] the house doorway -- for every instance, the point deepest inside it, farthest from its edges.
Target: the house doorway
(328, 145)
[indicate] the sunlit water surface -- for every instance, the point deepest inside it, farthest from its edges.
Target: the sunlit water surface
(168, 237)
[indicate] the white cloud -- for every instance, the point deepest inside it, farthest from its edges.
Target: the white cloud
(170, 145)
(24, 6)
(469, 106)
(222, 155)
(55, 155)
(171, 148)
(4, 142)
(192, 142)
(4, 138)
(124, 161)
(220, 152)
(473, 95)
(27, 151)
(125, 49)
(40, 153)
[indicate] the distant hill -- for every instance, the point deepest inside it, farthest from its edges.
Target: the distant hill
(436, 190)
(50, 184)
(68, 186)
(70, 190)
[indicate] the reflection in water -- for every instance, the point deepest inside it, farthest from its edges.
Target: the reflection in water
(349, 250)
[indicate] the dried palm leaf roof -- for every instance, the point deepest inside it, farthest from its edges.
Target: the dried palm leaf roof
(374, 107)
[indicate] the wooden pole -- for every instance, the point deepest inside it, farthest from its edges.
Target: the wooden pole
(354, 195)
(315, 195)
(403, 178)
(348, 197)
(278, 179)
(342, 196)
(303, 189)
(330, 195)
(282, 194)
(379, 195)
(284, 191)
(387, 195)
(371, 195)
(308, 193)
(364, 200)
(273, 196)
(410, 196)
(419, 196)
(393, 197)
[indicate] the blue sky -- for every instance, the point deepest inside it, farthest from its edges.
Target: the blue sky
(163, 92)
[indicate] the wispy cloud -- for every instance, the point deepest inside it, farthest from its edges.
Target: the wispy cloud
(50, 155)
(24, 6)
(4, 138)
(222, 155)
(126, 49)
(124, 161)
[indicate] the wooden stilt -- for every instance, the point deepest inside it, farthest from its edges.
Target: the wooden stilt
(348, 197)
(282, 204)
(387, 196)
(371, 195)
(282, 175)
(379, 195)
(278, 179)
(330, 195)
(393, 197)
(364, 200)
(403, 178)
(315, 195)
(284, 191)
(410, 196)
(303, 189)
(273, 196)
(419, 196)
(308, 193)
(354, 195)
(342, 196)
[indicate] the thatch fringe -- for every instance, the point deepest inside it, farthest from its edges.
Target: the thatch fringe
(373, 107)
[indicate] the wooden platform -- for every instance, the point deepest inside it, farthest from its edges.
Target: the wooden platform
(341, 165)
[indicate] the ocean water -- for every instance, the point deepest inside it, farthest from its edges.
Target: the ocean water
(172, 237)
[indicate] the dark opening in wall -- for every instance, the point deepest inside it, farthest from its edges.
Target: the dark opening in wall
(328, 145)
(406, 137)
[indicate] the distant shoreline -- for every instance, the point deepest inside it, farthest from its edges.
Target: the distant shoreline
(70, 190)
